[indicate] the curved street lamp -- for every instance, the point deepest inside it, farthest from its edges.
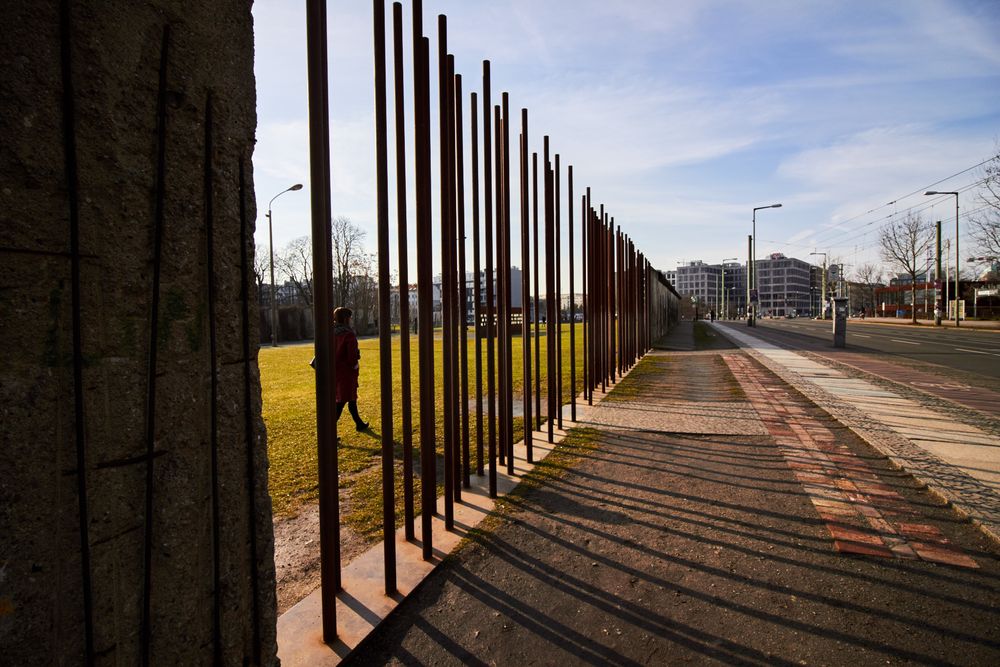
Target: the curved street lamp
(957, 264)
(752, 267)
(270, 238)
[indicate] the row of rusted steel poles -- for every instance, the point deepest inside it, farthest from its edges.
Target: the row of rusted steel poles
(615, 279)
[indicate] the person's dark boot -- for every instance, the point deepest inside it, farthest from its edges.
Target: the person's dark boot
(363, 426)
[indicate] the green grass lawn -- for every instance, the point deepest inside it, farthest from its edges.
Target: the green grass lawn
(289, 406)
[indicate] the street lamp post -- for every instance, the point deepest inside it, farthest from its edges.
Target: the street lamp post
(936, 192)
(752, 310)
(270, 240)
(822, 298)
(725, 299)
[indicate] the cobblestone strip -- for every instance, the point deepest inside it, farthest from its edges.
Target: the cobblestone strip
(967, 495)
(864, 515)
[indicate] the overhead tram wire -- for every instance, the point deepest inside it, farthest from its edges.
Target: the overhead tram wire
(838, 231)
(922, 189)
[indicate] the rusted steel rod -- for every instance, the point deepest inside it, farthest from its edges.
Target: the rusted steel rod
(550, 292)
(456, 411)
(585, 216)
(602, 278)
(405, 385)
(535, 316)
(384, 288)
(490, 280)
(463, 295)
(425, 285)
(501, 328)
(558, 241)
(508, 301)
(326, 423)
(445, 164)
(477, 290)
(612, 305)
(525, 292)
(572, 297)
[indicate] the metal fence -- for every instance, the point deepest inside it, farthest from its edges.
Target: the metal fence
(625, 302)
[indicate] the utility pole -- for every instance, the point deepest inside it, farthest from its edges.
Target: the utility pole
(822, 305)
(749, 275)
(957, 261)
(937, 280)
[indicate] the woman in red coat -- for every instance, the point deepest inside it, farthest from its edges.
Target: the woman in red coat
(346, 355)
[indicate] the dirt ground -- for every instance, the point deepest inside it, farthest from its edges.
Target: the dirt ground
(661, 547)
(296, 554)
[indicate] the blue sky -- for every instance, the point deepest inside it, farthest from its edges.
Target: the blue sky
(681, 115)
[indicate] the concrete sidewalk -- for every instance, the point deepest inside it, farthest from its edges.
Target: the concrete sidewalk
(766, 534)
(958, 461)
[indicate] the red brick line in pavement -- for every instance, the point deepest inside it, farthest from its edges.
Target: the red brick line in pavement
(977, 398)
(864, 515)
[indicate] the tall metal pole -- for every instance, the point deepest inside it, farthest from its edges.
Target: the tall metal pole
(501, 282)
(753, 271)
(572, 299)
(937, 276)
(274, 297)
(508, 351)
(444, 149)
(536, 316)
(463, 296)
(384, 329)
(477, 289)
(585, 216)
(275, 324)
(326, 372)
(749, 278)
(404, 272)
(550, 294)
(525, 292)
(425, 284)
(453, 304)
(559, 360)
(958, 263)
(490, 280)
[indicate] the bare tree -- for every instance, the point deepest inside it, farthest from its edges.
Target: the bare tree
(868, 276)
(903, 244)
(985, 226)
(261, 266)
(348, 257)
(295, 263)
(363, 296)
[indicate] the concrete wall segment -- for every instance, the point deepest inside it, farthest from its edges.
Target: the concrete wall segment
(115, 63)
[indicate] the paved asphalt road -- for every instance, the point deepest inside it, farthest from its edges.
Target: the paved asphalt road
(964, 349)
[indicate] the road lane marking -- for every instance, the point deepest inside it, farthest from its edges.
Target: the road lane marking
(962, 349)
(861, 335)
(908, 342)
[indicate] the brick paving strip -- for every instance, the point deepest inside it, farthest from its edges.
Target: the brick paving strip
(864, 515)
(958, 462)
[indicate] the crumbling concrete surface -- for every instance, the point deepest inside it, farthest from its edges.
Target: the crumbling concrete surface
(133, 124)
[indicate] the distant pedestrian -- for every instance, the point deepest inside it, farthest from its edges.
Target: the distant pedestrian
(347, 357)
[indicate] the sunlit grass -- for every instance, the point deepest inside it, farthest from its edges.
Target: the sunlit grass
(289, 408)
